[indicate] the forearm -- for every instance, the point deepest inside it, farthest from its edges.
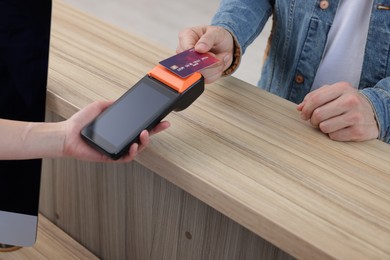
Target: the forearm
(379, 97)
(26, 140)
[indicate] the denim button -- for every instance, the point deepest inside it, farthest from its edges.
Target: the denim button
(299, 79)
(324, 4)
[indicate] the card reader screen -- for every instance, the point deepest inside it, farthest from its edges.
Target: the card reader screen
(127, 117)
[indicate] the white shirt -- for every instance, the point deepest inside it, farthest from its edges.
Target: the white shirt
(344, 51)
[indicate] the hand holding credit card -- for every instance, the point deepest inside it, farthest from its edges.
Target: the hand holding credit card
(188, 62)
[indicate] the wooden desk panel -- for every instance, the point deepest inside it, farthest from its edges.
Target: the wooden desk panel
(239, 149)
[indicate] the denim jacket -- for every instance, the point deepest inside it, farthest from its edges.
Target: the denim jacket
(298, 42)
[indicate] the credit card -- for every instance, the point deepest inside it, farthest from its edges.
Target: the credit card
(188, 62)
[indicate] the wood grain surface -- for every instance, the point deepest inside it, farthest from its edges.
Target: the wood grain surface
(52, 243)
(241, 150)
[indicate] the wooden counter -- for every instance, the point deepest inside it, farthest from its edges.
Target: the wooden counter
(52, 243)
(238, 149)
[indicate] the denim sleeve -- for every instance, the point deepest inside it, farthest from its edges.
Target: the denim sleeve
(245, 19)
(379, 96)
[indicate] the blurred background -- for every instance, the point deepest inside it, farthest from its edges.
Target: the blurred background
(161, 21)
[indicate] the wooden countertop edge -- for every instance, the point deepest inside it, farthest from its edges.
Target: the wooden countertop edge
(166, 169)
(221, 201)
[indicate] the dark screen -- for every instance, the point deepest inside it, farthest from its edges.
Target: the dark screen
(24, 50)
(135, 110)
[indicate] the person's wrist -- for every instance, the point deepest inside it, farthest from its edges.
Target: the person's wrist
(58, 136)
(236, 57)
(43, 140)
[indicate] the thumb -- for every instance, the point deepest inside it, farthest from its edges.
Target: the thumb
(202, 47)
(206, 42)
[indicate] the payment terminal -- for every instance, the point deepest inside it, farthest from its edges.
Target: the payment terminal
(142, 107)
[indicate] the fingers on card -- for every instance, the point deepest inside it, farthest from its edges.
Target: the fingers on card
(188, 62)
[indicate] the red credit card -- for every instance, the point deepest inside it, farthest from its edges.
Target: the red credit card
(188, 62)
